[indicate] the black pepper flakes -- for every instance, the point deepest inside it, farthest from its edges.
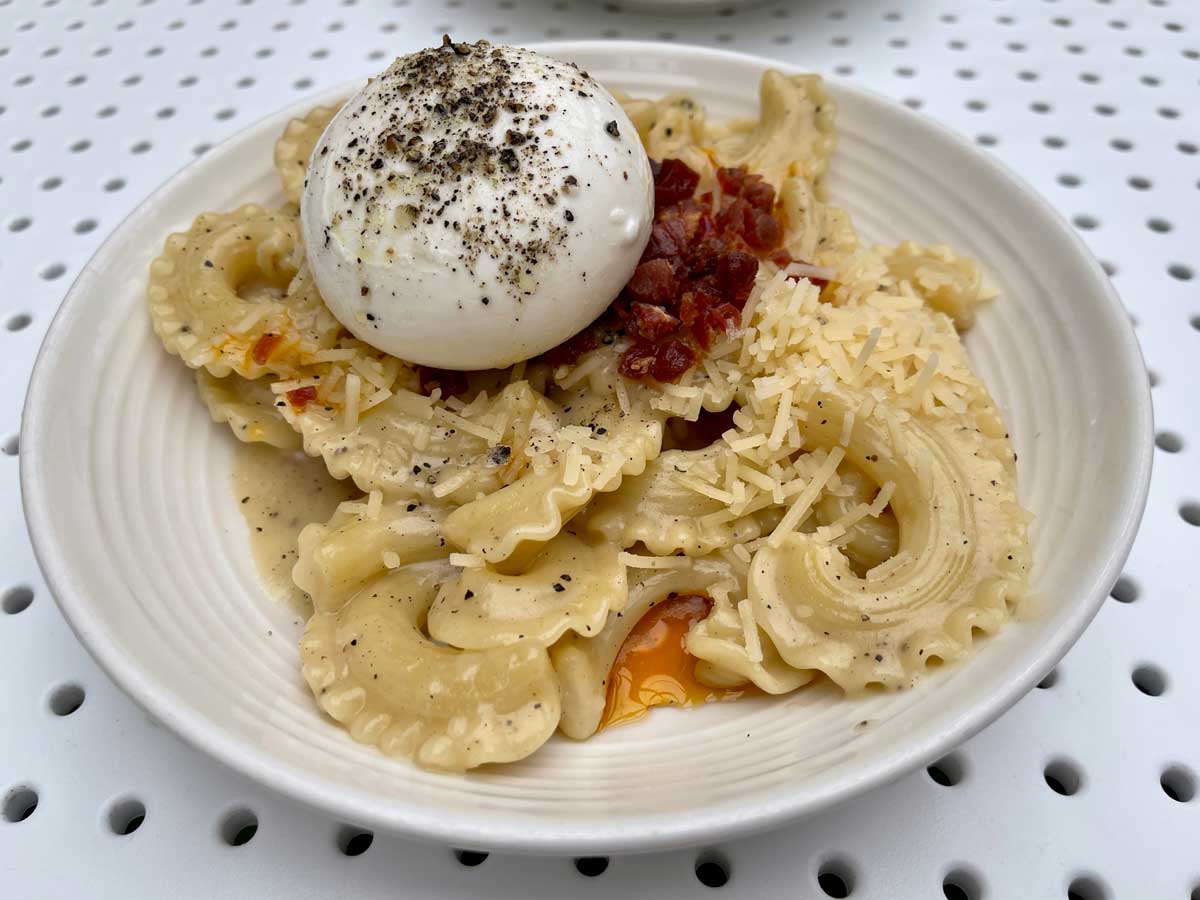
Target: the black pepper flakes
(612, 129)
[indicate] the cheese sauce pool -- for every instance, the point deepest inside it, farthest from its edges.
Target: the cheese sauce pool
(278, 493)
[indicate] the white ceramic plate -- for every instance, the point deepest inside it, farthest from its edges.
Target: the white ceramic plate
(127, 492)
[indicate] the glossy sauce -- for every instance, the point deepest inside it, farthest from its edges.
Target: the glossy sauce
(279, 492)
(653, 668)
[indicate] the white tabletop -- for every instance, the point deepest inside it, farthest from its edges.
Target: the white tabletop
(1094, 102)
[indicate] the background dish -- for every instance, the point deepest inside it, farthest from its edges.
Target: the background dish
(114, 518)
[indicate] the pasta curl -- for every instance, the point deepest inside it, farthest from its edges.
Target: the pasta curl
(248, 408)
(569, 586)
(371, 668)
(961, 559)
(596, 445)
(295, 146)
(792, 136)
(228, 295)
(661, 511)
(360, 542)
(411, 446)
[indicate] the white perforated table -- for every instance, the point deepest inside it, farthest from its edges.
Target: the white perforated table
(1087, 789)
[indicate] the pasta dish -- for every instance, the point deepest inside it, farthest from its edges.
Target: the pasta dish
(752, 455)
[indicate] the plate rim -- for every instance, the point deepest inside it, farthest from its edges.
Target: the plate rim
(487, 829)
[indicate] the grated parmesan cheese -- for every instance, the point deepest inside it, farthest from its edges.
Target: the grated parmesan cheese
(633, 561)
(807, 497)
(447, 417)
(883, 498)
(782, 421)
(452, 483)
(353, 395)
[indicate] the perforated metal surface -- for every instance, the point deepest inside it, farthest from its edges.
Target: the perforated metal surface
(1088, 785)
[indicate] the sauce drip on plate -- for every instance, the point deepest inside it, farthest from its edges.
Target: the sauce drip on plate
(653, 668)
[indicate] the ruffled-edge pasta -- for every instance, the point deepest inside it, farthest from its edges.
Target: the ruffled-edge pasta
(731, 649)
(598, 443)
(362, 540)
(868, 538)
(961, 561)
(248, 408)
(949, 283)
(817, 233)
(372, 668)
(295, 146)
(570, 586)
(792, 136)
(674, 127)
(663, 510)
(228, 295)
(408, 445)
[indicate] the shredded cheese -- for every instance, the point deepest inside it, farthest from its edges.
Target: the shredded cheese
(633, 561)
(807, 497)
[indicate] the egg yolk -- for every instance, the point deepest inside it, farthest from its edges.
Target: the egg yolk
(653, 668)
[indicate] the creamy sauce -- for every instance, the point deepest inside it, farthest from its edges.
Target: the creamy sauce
(653, 668)
(279, 492)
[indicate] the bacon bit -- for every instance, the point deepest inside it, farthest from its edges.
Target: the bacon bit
(668, 238)
(781, 258)
(716, 322)
(695, 274)
(652, 282)
(651, 322)
(265, 346)
(452, 383)
(672, 359)
(569, 352)
(638, 361)
(300, 397)
(674, 181)
(735, 276)
(752, 188)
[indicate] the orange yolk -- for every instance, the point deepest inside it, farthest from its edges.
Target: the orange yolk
(653, 668)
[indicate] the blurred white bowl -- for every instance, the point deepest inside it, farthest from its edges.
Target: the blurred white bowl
(126, 487)
(694, 7)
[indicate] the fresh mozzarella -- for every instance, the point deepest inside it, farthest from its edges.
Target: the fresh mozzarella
(475, 205)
